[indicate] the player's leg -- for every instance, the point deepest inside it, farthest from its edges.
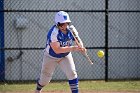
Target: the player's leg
(68, 66)
(48, 67)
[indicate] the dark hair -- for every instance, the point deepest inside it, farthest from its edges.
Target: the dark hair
(60, 24)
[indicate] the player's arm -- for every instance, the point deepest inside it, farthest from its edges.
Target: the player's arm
(80, 44)
(57, 49)
(77, 39)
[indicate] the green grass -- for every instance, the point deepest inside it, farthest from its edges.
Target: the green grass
(111, 86)
(83, 85)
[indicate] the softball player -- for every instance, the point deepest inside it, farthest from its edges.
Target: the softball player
(58, 51)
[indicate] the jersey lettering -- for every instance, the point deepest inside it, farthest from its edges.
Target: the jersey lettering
(55, 35)
(67, 43)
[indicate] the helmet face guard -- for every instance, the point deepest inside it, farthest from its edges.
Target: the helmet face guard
(62, 17)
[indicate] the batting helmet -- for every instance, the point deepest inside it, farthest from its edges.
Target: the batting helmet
(62, 17)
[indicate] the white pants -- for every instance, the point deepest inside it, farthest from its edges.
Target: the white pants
(49, 65)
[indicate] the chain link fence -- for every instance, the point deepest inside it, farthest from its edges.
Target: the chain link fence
(27, 22)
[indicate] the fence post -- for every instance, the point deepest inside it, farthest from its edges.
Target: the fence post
(106, 40)
(2, 63)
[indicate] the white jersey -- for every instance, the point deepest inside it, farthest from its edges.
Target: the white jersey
(55, 35)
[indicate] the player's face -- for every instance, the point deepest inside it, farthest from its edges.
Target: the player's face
(65, 26)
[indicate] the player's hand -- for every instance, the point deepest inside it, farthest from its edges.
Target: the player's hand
(83, 50)
(76, 48)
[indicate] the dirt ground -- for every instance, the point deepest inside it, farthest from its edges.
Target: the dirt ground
(70, 92)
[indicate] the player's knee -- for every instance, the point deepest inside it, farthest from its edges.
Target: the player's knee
(72, 75)
(46, 74)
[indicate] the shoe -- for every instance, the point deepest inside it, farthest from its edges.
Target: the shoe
(37, 91)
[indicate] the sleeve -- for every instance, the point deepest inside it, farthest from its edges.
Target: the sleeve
(53, 36)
